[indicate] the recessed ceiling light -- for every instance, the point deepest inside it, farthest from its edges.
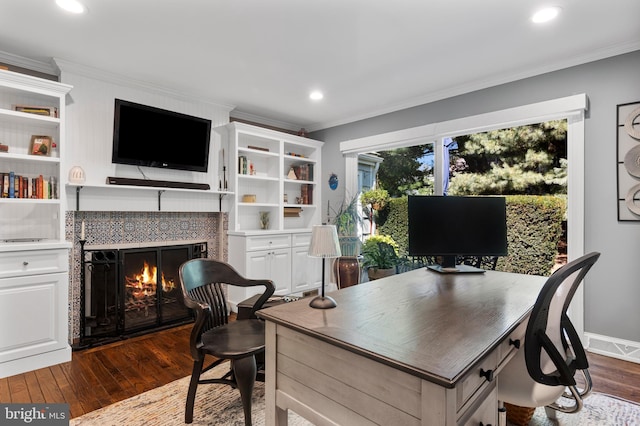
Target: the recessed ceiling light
(73, 6)
(316, 95)
(545, 15)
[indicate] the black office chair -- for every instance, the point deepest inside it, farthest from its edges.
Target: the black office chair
(201, 281)
(541, 373)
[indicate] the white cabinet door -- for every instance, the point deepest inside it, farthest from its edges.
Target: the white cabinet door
(306, 272)
(280, 272)
(39, 305)
(271, 264)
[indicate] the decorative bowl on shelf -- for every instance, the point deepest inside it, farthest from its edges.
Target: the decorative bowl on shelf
(76, 175)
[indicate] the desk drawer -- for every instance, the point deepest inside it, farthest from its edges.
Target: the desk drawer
(469, 386)
(511, 343)
(485, 412)
(268, 242)
(33, 262)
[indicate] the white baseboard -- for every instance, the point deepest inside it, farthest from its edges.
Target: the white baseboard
(35, 362)
(613, 347)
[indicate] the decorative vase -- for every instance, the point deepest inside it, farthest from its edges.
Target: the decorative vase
(347, 270)
(264, 220)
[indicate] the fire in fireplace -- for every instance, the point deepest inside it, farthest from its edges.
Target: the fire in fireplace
(129, 291)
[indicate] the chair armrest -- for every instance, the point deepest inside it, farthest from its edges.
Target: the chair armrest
(270, 288)
(202, 311)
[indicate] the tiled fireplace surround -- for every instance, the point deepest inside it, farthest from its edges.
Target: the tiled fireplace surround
(141, 228)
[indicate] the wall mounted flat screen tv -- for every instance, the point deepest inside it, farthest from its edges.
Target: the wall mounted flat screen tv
(451, 226)
(154, 137)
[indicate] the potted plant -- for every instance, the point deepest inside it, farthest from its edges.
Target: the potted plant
(380, 256)
(347, 221)
(376, 197)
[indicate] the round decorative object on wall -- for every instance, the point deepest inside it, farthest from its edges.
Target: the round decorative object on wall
(632, 124)
(632, 161)
(333, 181)
(631, 200)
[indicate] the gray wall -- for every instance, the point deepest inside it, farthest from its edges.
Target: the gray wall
(612, 289)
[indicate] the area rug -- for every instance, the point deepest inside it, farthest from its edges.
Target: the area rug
(599, 410)
(220, 405)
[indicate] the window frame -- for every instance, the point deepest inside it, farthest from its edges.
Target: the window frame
(571, 108)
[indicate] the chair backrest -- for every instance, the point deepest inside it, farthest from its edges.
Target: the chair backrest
(550, 358)
(201, 283)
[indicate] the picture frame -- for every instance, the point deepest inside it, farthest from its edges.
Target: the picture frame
(40, 145)
(628, 161)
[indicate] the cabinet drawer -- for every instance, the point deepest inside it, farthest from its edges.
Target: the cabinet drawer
(268, 242)
(485, 411)
(33, 262)
(474, 381)
(510, 344)
(301, 239)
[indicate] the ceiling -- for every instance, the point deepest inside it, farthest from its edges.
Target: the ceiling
(367, 56)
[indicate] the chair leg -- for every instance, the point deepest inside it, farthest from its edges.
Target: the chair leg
(551, 413)
(193, 386)
(245, 371)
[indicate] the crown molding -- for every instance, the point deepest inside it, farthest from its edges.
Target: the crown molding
(263, 120)
(28, 64)
(114, 78)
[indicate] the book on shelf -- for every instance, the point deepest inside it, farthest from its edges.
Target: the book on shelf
(243, 165)
(292, 211)
(304, 171)
(36, 187)
(4, 190)
(306, 193)
(49, 111)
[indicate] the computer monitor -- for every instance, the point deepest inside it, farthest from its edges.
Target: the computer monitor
(450, 226)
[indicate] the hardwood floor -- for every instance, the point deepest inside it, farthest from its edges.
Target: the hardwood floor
(101, 376)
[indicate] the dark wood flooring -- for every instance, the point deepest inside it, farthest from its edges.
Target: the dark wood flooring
(100, 376)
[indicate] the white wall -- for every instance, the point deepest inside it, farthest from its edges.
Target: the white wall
(612, 289)
(90, 108)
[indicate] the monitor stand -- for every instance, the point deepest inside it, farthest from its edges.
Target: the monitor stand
(449, 267)
(457, 269)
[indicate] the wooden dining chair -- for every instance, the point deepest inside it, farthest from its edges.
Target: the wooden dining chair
(202, 283)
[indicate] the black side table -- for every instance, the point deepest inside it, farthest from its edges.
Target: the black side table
(244, 307)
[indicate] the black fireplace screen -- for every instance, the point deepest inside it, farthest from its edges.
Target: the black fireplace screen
(128, 291)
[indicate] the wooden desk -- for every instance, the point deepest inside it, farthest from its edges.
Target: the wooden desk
(407, 349)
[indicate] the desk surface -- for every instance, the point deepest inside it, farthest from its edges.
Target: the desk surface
(431, 325)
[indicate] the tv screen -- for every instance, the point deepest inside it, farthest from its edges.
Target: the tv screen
(154, 137)
(451, 226)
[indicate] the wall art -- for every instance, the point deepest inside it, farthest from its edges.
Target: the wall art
(628, 142)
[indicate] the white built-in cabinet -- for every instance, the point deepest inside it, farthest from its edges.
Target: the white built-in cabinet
(34, 278)
(275, 174)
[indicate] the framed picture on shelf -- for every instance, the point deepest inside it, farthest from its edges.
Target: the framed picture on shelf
(40, 145)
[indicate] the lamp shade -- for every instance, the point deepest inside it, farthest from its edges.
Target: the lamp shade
(324, 242)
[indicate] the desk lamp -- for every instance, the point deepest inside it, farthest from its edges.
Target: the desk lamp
(324, 244)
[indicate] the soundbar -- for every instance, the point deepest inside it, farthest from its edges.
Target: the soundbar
(156, 183)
